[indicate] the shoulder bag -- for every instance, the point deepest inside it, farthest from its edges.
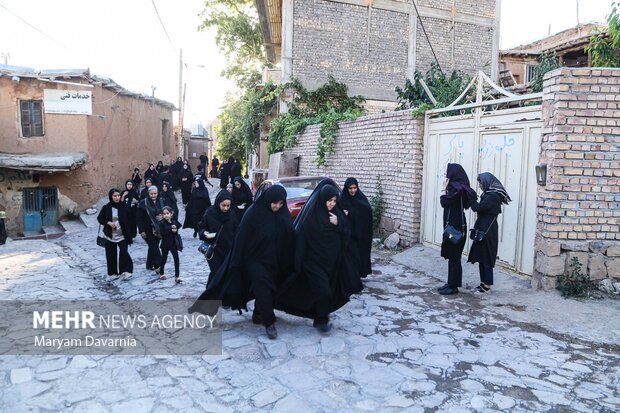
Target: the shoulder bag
(477, 235)
(453, 235)
(101, 241)
(208, 250)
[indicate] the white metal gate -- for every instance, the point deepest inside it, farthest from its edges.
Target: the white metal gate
(484, 138)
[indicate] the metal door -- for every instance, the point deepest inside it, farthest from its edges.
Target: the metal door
(40, 208)
(504, 142)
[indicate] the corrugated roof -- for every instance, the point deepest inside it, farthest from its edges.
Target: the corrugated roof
(83, 74)
(44, 162)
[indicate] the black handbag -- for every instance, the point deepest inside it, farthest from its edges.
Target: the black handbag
(208, 250)
(101, 241)
(453, 235)
(477, 235)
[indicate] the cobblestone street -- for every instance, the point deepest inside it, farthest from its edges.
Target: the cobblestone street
(398, 346)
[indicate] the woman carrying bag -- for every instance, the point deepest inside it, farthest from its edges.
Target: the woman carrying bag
(218, 227)
(118, 232)
(485, 232)
(457, 197)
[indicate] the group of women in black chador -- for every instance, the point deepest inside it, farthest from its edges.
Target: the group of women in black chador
(308, 268)
(459, 196)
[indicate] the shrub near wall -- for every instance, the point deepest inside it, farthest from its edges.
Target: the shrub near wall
(578, 209)
(389, 145)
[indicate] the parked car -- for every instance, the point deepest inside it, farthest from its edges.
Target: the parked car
(298, 190)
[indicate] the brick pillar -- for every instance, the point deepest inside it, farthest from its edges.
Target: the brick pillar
(578, 214)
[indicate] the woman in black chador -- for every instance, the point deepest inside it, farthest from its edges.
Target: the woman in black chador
(225, 174)
(131, 199)
(261, 256)
(359, 214)
(170, 200)
(458, 195)
(136, 178)
(198, 203)
(160, 167)
(484, 249)
(185, 181)
(241, 197)
(148, 182)
(149, 217)
(152, 174)
(322, 281)
(235, 169)
(218, 227)
(117, 229)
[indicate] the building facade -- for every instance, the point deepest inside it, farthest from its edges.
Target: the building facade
(67, 137)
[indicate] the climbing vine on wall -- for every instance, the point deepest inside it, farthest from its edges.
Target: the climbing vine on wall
(326, 105)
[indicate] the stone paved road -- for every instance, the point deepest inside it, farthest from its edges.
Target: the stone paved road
(396, 347)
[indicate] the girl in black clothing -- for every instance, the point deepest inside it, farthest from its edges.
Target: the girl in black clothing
(260, 258)
(170, 200)
(358, 211)
(484, 250)
(118, 232)
(164, 176)
(152, 174)
(148, 182)
(235, 168)
(224, 174)
(160, 167)
(458, 195)
(218, 227)
(198, 203)
(170, 242)
(148, 217)
(136, 178)
(130, 198)
(185, 181)
(322, 281)
(241, 197)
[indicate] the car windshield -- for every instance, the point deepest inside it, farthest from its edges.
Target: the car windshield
(300, 189)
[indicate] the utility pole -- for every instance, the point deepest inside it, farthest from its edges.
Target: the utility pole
(180, 137)
(578, 24)
(6, 56)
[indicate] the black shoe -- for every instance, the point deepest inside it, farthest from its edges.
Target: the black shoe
(256, 318)
(271, 331)
(443, 287)
(323, 327)
(449, 291)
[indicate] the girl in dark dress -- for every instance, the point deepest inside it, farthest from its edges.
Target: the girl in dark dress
(164, 176)
(131, 199)
(490, 206)
(114, 216)
(185, 180)
(458, 195)
(235, 169)
(170, 200)
(322, 281)
(241, 197)
(170, 242)
(160, 167)
(224, 175)
(175, 170)
(148, 182)
(136, 178)
(261, 256)
(198, 203)
(218, 227)
(152, 174)
(148, 217)
(358, 211)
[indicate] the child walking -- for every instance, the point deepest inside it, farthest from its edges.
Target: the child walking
(170, 242)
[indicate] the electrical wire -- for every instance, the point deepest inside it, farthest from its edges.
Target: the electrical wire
(162, 25)
(426, 35)
(41, 32)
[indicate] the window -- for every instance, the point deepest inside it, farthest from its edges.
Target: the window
(31, 117)
(529, 72)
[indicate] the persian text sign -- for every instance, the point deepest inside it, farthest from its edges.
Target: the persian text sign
(68, 102)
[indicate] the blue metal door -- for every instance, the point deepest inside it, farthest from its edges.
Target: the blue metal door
(32, 210)
(40, 208)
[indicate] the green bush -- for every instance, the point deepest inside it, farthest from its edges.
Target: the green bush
(575, 284)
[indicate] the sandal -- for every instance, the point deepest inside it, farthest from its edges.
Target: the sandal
(162, 277)
(483, 288)
(178, 280)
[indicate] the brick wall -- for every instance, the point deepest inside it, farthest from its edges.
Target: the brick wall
(388, 145)
(578, 209)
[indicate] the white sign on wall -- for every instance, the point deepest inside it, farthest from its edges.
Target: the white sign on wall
(68, 102)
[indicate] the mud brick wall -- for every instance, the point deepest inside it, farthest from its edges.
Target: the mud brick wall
(387, 146)
(578, 209)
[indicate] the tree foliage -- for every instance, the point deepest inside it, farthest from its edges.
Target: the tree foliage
(238, 37)
(444, 88)
(546, 63)
(605, 48)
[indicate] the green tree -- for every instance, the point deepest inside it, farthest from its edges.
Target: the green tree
(546, 63)
(238, 37)
(605, 48)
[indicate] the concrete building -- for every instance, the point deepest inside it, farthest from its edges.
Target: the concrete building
(67, 137)
(375, 45)
(517, 64)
